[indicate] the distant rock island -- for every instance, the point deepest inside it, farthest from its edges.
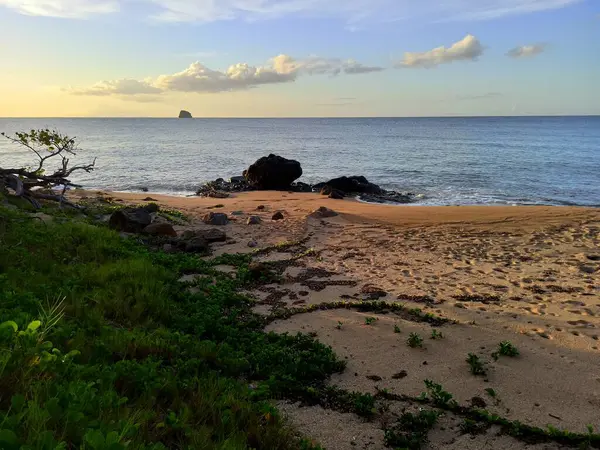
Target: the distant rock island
(185, 114)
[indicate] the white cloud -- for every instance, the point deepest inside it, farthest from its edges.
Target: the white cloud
(526, 51)
(467, 49)
(71, 9)
(124, 87)
(353, 12)
(199, 78)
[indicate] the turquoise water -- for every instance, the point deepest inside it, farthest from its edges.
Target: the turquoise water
(496, 160)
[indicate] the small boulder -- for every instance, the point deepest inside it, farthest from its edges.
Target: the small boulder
(278, 216)
(210, 235)
(253, 220)
(151, 208)
(587, 269)
(237, 180)
(259, 270)
(354, 184)
(160, 229)
(336, 195)
(252, 243)
(145, 189)
(215, 219)
(323, 213)
(273, 172)
(217, 194)
(130, 220)
(260, 207)
(149, 199)
(197, 245)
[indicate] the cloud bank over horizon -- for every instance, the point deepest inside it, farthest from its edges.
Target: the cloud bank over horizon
(197, 78)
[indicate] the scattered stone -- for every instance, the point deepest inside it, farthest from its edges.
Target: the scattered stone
(197, 245)
(323, 213)
(587, 269)
(336, 195)
(215, 219)
(149, 199)
(237, 180)
(43, 217)
(278, 216)
(151, 208)
(301, 187)
(260, 207)
(237, 213)
(400, 375)
(372, 292)
(253, 220)
(144, 189)
(273, 172)
(259, 270)
(130, 220)
(303, 293)
(217, 194)
(252, 244)
(460, 305)
(160, 229)
(374, 377)
(478, 402)
(593, 257)
(210, 235)
(235, 184)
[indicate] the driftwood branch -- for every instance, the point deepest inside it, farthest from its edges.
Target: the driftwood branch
(28, 183)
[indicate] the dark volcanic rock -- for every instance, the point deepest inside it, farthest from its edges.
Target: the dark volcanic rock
(367, 191)
(273, 172)
(278, 216)
(322, 213)
(130, 220)
(196, 245)
(215, 219)
(254, 220)
(185, 114)
(220, 188)
(301, 187)
(354, 184)
(210, 235)
(160, 229)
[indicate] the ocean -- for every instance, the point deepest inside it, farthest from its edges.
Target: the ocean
(445, 161)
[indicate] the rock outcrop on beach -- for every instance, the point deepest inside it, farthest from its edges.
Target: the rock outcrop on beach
(350, 185)
(183, 114)
(359, 186)
(273, 172)
(131, 220)
(276, 173)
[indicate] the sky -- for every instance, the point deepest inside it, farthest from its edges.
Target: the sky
(299, 58)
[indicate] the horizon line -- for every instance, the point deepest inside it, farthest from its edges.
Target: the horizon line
(300, 117)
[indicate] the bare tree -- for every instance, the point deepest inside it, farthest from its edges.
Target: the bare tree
(33, 183)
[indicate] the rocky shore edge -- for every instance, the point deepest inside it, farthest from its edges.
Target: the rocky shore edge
(277, 173)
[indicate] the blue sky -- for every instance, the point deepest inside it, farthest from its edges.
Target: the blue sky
(303, 57)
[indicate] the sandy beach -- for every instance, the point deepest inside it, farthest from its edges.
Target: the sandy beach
(527, 275)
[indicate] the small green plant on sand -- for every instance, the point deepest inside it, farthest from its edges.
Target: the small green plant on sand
(414, 340)
(435, 334)
(505, 348)
(477, 366)
(411, 430)
(397, 329)
(370, 320)
(339, 325)
(439, 396)
(491, 392)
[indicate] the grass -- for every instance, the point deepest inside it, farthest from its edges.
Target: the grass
(414, 340)
(101, 347)
(397, 329)
(476, 364)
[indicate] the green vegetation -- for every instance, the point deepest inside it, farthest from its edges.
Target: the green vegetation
(397, 329)
(370, 320)
(101, 347)
(411, 430)
(414, 340)
(505, 348)
(339, 325)
(435, 334)
(477, 366)
(439, 396)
